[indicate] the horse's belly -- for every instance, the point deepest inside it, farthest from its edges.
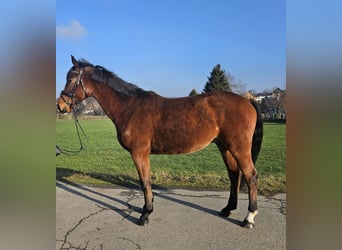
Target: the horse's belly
(178, 148)
(182, 142)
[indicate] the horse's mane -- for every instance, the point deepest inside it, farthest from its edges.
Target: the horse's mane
(103, 75)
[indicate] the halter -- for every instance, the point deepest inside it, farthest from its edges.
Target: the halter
(73, 91)
(77, 124)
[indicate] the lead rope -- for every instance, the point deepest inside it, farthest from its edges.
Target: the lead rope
(78, 128)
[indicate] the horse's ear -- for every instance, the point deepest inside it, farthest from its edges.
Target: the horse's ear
(74, 61)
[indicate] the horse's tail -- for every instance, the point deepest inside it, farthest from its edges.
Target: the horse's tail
(258, 133)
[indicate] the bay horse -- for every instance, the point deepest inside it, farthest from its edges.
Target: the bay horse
(148, 123)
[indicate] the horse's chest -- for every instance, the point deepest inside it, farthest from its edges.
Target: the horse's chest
(132, 138)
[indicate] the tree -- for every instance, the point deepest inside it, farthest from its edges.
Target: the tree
(237, 86)
(218, 80)
(193, 92)
(274, 107)
(253, 92)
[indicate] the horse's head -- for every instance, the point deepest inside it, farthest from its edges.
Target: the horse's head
(74, 91)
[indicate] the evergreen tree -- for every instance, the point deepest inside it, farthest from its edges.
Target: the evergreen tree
(193, 92)
(218, 80)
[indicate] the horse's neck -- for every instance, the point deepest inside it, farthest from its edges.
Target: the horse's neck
(110, 101)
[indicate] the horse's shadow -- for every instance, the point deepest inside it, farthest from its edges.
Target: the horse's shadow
(128, 182)
(125, 213)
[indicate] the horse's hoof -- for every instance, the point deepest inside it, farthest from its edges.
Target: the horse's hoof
(143, 222)
(225, 212)
(247, 224)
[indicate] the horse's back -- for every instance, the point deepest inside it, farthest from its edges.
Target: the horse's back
(184, 125)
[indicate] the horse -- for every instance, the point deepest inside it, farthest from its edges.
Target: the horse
(147, 123)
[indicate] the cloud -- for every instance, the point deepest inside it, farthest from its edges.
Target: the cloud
(74, 30)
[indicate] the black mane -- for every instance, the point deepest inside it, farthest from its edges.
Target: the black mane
(103, 75)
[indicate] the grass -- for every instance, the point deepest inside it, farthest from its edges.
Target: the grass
(105, 162)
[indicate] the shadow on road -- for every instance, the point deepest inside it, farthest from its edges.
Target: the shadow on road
(127, 182)
(197, 207)
(125, 213)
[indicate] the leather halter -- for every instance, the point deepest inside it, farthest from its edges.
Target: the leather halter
(73, 91)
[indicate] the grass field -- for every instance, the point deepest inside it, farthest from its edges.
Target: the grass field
(104, 161)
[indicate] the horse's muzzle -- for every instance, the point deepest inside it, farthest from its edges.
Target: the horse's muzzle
(62, 106)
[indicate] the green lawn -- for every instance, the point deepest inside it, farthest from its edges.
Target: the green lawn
(104, 161)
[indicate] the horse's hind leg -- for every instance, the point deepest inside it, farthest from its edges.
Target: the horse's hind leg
(237, 166)
(142, 164)
(250, 174)
(233, 197)
(234, 177)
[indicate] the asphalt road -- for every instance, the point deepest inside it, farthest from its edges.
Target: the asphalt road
(106, 218)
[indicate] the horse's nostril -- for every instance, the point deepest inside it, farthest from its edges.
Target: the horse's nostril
(60, 109)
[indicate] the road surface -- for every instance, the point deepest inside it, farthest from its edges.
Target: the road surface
(106, 218)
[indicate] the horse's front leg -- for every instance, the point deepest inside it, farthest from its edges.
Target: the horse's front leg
(142, 163)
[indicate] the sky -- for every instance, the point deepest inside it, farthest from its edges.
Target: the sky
(171, 46)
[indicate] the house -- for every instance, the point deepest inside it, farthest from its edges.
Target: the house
(277, 93)
(249, 95)
(272, 104)
(260, 96)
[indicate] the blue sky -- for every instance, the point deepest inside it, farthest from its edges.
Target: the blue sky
(170, 47)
